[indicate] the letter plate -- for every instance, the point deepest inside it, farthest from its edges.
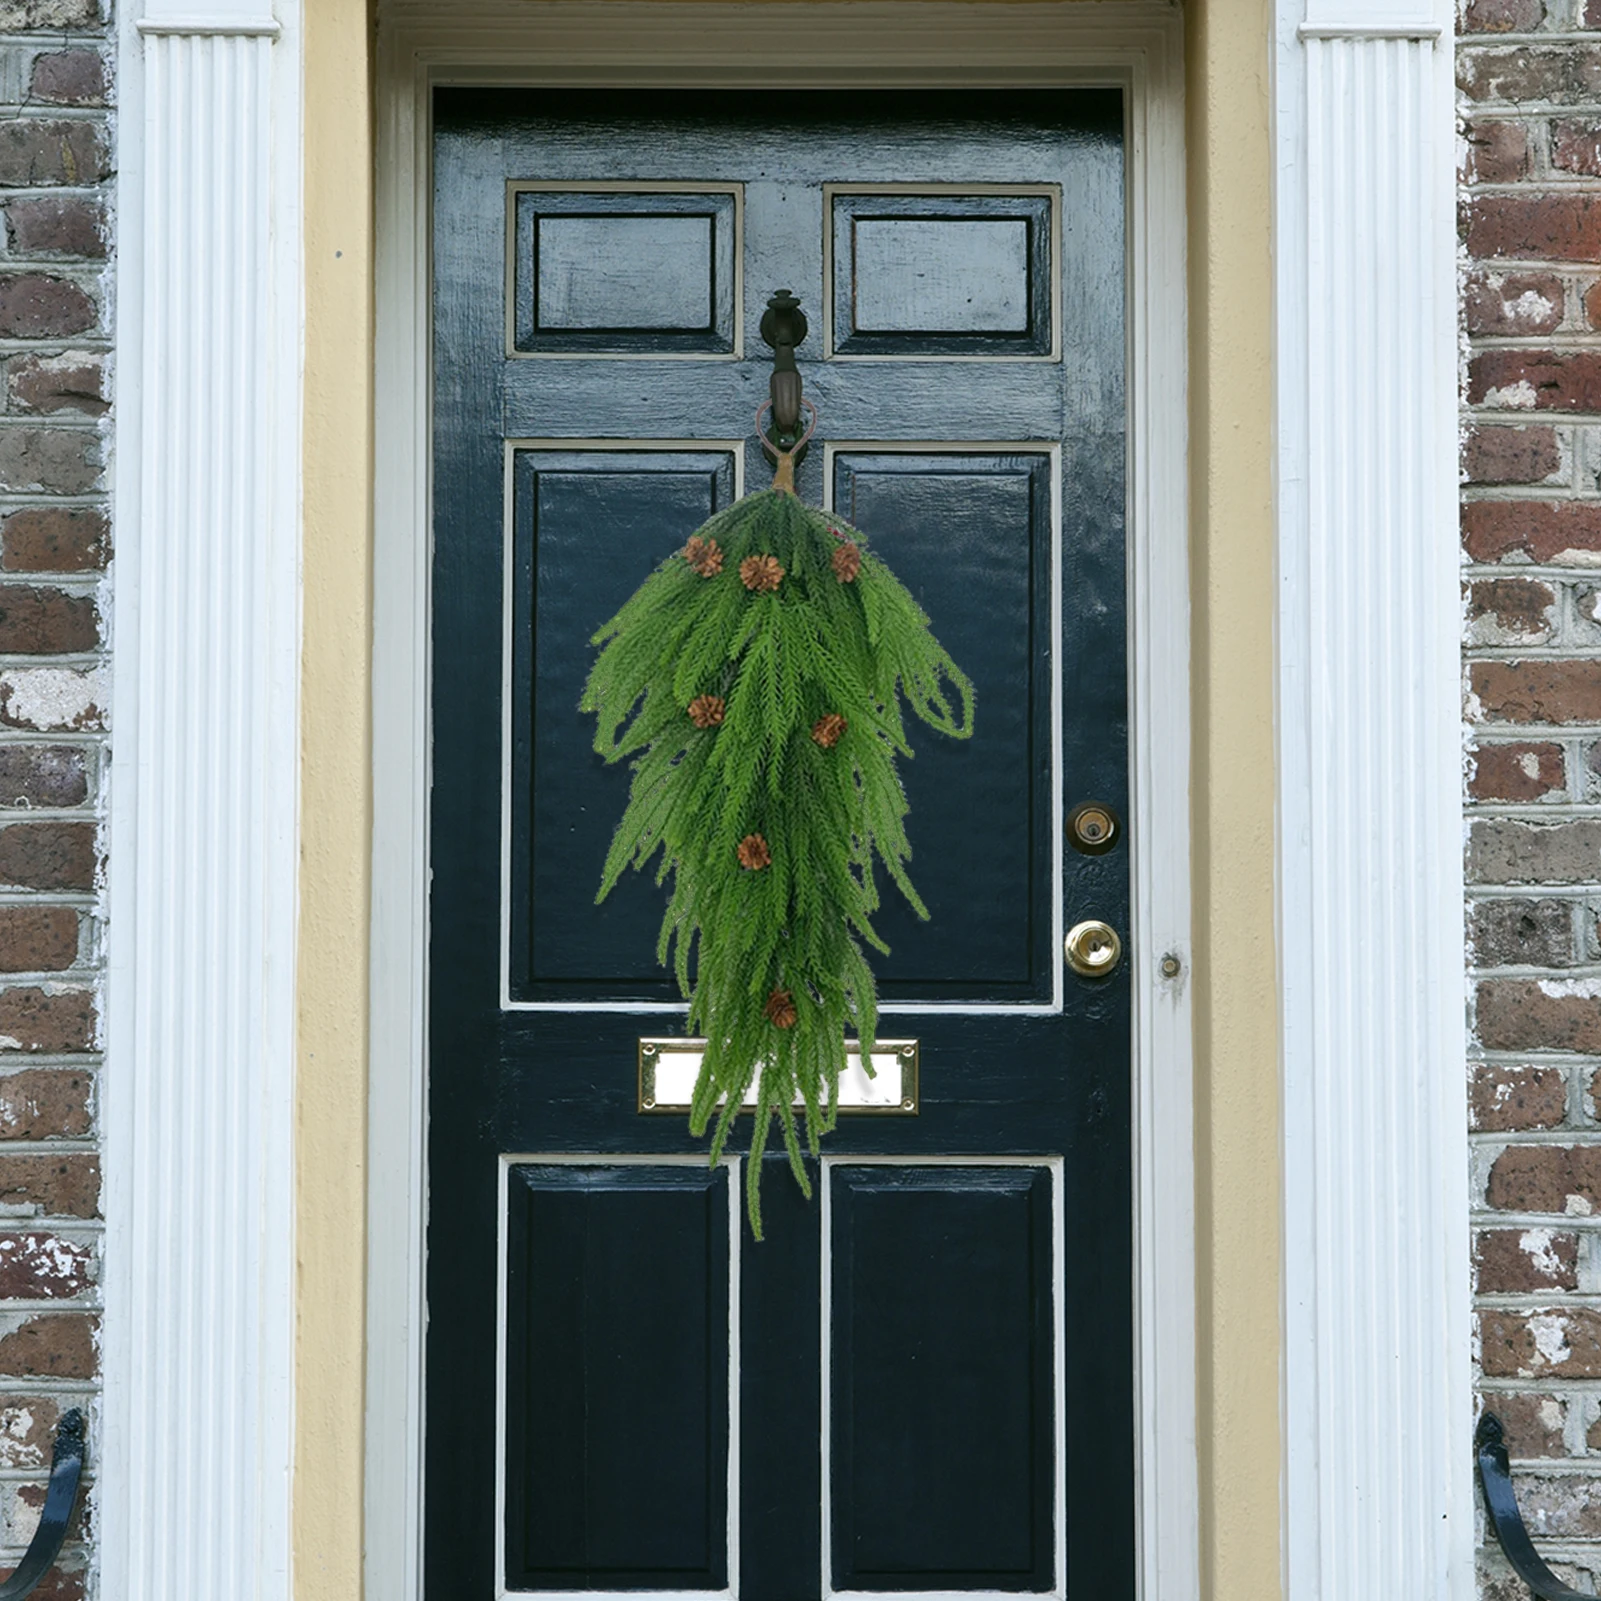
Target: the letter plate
(668, 1069)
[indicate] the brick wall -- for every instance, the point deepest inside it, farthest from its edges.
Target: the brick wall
(55, 198)
(1530, 98)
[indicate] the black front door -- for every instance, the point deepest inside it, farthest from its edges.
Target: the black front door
(920, 1381)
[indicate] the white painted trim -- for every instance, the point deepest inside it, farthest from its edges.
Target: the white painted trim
(199, 1083)
(1376, 1305)
(881, 42)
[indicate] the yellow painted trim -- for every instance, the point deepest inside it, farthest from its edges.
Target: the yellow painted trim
(1236, 985)
(335, 806)
(1237, 1162)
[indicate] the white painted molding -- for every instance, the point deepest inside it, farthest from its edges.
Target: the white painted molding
(1377, 1406)
(199, 1081)
(1136, 45)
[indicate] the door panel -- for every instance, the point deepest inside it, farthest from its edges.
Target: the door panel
(942, 1332)
(617, 1404)
(932, 1391)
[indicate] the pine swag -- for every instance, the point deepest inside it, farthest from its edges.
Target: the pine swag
(755, 678)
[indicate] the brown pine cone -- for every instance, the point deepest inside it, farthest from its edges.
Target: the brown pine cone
(846, 562)
(826, 730)
(706, 711)
(704, 556)
(753, 852)
(781, 1009)
(759, 573)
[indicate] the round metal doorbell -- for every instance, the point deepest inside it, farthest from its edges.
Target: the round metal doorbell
(1092, 828)
(1093, 949)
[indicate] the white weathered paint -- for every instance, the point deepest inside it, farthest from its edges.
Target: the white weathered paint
(194, 1459)
(1377, 1308)
(888, 42)
(54, 699)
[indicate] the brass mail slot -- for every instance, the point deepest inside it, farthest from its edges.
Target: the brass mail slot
(668, 1069)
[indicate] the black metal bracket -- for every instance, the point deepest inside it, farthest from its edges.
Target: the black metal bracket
(1501, 1502)
(66, 1470)
(783, 327)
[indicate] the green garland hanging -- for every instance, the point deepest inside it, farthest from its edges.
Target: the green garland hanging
(755, 679)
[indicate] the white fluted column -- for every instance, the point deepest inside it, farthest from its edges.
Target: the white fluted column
(1377, 1419)
(199, 1075)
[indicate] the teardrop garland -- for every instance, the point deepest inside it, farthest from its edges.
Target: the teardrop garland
(755, 679)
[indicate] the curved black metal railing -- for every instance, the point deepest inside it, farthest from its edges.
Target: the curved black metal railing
(66, 1470)
(1500, 1500)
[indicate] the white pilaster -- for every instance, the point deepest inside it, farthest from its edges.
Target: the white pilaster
(199, 1080)
(1378, 1492)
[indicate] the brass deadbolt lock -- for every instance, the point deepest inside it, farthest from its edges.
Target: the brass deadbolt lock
(1093, 949)
(1092, 828)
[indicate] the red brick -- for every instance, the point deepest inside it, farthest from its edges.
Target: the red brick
(1538, 691)
(39, 620)
(30, 16)
(59, 1345)
(1576, 146)
(1533, 1423)
(1562, 1179)
(33, 1019)
(69, 78)
(1550, 1014)
(1592, 14)
(1536, 380)
(37, 939)
(1563, 1506)
(1514, 609)
(1540, 227)
(45, 153)
(52, 699)
(36, 1266)
(1502, 16)
(37, 306)
(1521, 933)
(1507, 455)
(42, 775)
(52, 856)
(1500, 1097)
(52, 461)
(1561, 1341)
(56, 225)
(53, 1103)
(1525, 1261)
(1506, 850)
(1496, 151)
(67, 1185)
(1566, 74)
(75, 381)
(54, 539)
(1520, 303)
(1544, 531)
(1518, 772)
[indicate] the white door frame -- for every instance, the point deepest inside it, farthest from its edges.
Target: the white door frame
(882, 42)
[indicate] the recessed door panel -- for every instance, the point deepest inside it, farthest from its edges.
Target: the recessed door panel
(617, 1377)
(972, 530)
(623, 272)
(943, 1378)
(586, 526)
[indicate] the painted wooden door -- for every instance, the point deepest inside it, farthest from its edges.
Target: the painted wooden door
(920, 1381)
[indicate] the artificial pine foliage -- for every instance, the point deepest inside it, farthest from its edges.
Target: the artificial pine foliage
(756, 679)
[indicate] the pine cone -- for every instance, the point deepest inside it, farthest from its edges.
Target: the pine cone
(759, 573)
(753, 852)
(704, 556)
(846, 562)
(706, 711)
(826, 730)
(781, 1009)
